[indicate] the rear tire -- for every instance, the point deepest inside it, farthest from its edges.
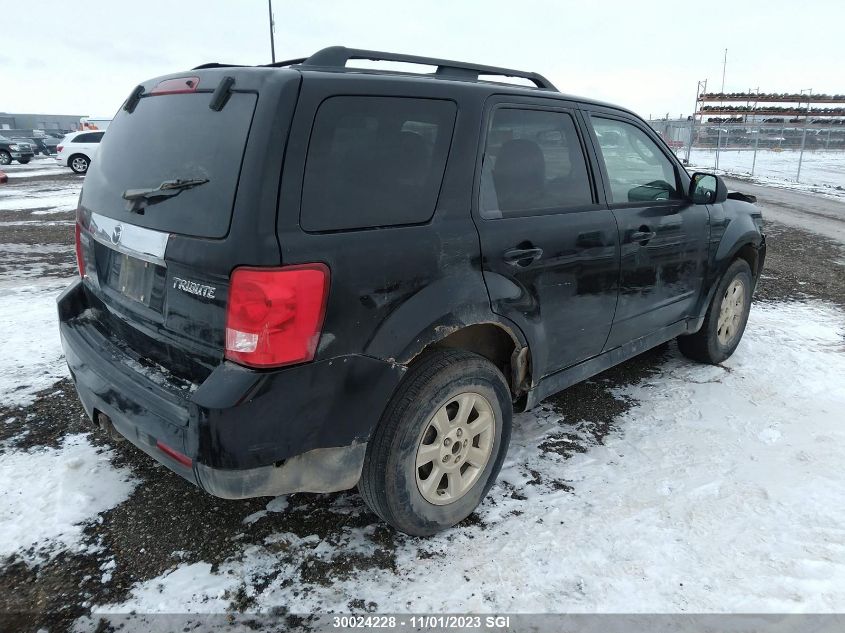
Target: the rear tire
(725, 320)
(427, 466)
(5, 158)
(79, 163)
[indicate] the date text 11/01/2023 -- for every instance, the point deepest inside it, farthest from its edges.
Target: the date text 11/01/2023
(434, 622)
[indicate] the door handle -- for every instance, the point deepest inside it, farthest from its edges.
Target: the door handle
(522, 256)
(643, 235)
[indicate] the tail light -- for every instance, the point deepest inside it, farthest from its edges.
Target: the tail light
(80, 235)
(59, 148)
(80, 258)
(275, 315)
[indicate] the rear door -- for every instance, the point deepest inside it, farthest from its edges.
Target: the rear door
(548, 241)
(663, 236)
(160, 265)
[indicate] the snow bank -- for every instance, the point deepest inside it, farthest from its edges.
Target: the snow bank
(46, 494)
(723, 491)
(32, 356)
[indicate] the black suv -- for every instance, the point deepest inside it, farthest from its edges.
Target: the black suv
(303, 276)
(11, 149)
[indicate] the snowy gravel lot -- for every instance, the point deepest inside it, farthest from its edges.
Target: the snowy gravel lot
(821, 172)
(658, 486)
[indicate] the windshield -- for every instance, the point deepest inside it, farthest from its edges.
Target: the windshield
(168, 138)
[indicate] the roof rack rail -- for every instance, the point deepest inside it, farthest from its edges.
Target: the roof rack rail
(287, 62)
(216, 65)
(338, 56)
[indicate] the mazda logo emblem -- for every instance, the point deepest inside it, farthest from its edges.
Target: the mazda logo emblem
(115, 234)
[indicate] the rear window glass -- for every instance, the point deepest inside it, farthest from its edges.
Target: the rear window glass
(172, 137)
(375, 161)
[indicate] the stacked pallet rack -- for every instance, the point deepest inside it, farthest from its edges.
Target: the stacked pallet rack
(795, 111)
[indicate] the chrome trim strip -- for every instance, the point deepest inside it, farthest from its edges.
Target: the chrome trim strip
(145, 244)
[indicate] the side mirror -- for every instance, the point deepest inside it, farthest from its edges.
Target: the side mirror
(707, 188)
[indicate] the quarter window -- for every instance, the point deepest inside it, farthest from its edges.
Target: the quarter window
(636, 168)
(375, 161)
(533, 161)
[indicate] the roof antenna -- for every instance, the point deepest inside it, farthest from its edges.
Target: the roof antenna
(272, 28)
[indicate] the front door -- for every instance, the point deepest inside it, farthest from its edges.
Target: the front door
(549, 244)
(663, 236)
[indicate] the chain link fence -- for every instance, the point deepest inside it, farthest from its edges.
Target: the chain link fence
(812, 153)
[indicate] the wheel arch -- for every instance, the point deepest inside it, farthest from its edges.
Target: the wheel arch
(455, 314)
(747, 246)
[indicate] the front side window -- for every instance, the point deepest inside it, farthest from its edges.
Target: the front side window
(533, 161)
(375, 161)
(636, 168)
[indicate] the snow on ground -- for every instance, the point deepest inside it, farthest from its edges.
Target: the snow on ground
(821, 172)
(32, 357)
(722, 491)
(47, 494)
(44, 195)
(41, 166)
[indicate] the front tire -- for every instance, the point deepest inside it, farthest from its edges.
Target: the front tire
(79, 163)
(440, 443)
(726, 318)
(23, 161)
(5, 158)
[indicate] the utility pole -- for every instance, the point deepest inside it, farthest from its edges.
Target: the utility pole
(722, 104)
(699, 89)
(809, 92)
(272, 28)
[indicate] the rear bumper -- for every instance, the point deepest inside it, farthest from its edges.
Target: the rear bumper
(241, 433)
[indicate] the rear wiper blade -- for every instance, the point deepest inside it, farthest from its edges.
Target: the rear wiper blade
(140, 198)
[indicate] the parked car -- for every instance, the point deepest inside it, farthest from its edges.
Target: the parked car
(78, 149)
(348, 282)
(13, 150)
(26, 145)
(44, 144)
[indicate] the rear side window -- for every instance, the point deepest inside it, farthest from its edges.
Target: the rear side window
(533, 161)
(375, 161)
(91, 137)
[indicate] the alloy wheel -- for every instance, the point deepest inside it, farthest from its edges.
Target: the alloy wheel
(731, 312)
(455, 448)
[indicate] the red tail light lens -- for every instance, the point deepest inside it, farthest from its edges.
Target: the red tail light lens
(275, 315)
(59, 148)
(80, 258)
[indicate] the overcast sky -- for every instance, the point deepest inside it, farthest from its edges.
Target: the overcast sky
(84, 58)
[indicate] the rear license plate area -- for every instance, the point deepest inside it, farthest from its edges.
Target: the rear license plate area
(133, 278)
